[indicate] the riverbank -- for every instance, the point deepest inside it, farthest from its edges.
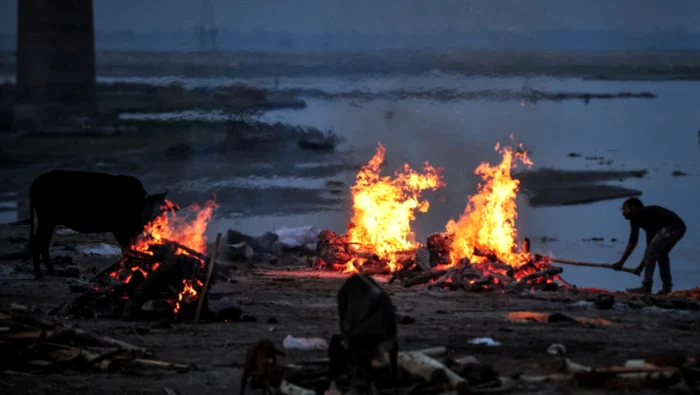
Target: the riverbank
(295, 301)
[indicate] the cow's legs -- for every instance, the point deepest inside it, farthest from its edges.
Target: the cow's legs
(41, 243)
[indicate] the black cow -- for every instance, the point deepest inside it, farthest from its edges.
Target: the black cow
(87, 202)
(368, 330)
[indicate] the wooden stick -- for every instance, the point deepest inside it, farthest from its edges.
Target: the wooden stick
(161, 364)
(210, 270)
(588, 264)
(564, 283)
(108, 341)
(187, 249)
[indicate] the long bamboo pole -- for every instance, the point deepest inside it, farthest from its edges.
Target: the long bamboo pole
(588, 264)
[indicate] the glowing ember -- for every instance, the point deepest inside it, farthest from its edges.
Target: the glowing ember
(487, 226)
(383, 207)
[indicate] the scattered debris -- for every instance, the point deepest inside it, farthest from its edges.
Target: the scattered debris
(34, 342)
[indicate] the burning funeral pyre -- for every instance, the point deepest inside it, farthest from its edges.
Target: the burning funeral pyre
(164, 265)
(478, 251)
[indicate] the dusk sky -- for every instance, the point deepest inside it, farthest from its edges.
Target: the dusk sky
(388, 15)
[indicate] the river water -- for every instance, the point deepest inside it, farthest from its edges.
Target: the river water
(659, 134)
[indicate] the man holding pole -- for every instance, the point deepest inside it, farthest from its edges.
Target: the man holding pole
(663, 228)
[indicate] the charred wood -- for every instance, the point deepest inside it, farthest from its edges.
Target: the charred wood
(423, 278)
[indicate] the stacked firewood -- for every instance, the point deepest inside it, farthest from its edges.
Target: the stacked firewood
(137, 278)
(35, 342)
(485, 276)
(430, 266)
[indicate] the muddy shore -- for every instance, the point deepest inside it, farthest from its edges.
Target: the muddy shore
(302, 303)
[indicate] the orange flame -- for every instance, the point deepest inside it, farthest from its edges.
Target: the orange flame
(383, 207)
(488, 222)
(170, 226)
(173, 226)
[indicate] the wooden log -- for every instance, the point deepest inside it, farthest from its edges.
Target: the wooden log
(473, 285)
(405, 266)
(422, 259)
(107, 341)
(423, 278)
(153, 363)
(210, 270)
(25, 335)
(443, 280)
(564, 283)
(552, 271)
(95, 360)
(425, 367)
(499, 266)
(137, 254)
(104, 356)
(187, 249)
(23, 316)
(502, 279)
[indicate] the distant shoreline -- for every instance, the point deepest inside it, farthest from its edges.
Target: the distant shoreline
(610, 66)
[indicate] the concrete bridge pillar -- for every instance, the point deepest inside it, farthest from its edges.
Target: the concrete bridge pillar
(55, 61)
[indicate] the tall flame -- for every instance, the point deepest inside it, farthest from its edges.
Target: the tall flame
(181, 229)
(383, 207)
(487, 225)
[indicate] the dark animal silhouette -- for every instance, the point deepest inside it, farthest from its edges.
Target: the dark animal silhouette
(261, 362)
(87, 202)
(368, 330)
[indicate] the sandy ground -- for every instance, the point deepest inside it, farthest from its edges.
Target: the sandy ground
(303, 304)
